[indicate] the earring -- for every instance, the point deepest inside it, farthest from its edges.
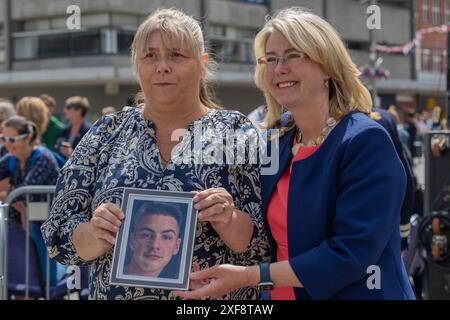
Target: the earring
(326, 83)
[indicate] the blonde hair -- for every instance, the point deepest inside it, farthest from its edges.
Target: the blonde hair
(322, 44)
(181, 30)
(393, 112)
(34, 110)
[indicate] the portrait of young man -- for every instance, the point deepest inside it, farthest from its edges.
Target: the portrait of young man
(155, 240)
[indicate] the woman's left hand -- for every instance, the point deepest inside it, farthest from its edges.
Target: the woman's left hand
(216, 206)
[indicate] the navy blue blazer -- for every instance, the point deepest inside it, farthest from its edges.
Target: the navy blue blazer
(408, 202)
(343, 213)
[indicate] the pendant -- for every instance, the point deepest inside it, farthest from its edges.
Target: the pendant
(295, 149)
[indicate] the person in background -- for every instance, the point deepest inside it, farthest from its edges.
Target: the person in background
(428, 119)
(34, 110)
(27, 164)
(411, 124)
(444, 125)
(389, 122)
(436, 118)
(50, 136)
(7, 111)
(108, 110)
(75, 112)
(402, 132)
(131, 100)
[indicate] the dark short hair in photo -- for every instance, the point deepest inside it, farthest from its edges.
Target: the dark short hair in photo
(152, 208)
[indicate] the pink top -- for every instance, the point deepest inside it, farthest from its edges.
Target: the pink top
(277, 218)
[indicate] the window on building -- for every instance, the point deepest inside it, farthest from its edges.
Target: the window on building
(95, 20)
(232, 44)
(58, 23)
(86, 44)
(53, 46)
(447, 11)
(26, 47)
(436, 11)
(217, 30)
(125, 20)
(124, 41)
(425, 11)
(255, 1)
(437, 60)
(102, 33)
(426, 60)
(37, 25)
(87, 21)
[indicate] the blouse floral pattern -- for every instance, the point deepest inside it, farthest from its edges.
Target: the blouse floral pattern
(120, 151)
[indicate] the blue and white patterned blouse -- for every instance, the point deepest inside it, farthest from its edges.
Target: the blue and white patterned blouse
(120, 151)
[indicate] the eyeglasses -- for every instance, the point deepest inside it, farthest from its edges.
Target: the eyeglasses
(4, 138)
(288, 59)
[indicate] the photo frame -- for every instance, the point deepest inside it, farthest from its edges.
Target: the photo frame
(155, 242)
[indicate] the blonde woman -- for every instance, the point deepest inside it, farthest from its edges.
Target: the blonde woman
(333, 207)
(34, 110)
(134, 148)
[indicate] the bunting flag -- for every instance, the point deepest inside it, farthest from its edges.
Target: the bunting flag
(408, 47)
(369, 71)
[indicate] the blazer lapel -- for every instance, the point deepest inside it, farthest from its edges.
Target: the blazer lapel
(268, 182)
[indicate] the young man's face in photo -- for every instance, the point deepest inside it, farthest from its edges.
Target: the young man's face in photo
(154, 243)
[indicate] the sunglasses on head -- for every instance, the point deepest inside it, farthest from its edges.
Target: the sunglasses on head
(4, 138)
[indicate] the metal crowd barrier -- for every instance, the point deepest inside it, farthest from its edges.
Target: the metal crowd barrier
(35, 211)
(3, 250)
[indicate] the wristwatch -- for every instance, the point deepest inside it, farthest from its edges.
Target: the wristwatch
(265, 282)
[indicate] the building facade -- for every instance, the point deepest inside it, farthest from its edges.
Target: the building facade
(38, 53)
(432, 51)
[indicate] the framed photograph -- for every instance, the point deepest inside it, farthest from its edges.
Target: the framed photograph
(155, 243)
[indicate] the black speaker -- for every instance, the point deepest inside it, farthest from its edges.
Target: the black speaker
(437, 204)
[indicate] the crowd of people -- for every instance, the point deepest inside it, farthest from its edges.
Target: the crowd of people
(338, 204)
(34, 145)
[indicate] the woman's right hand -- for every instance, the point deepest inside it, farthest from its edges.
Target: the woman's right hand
(105, 223)
(95, 238)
